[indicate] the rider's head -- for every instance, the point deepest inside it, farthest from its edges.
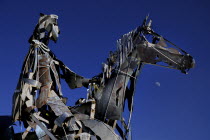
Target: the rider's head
(46, 29)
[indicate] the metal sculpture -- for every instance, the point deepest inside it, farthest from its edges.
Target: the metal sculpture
(38, 100)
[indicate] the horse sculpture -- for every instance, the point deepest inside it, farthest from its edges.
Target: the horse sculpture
(95, 118)
(117, 82)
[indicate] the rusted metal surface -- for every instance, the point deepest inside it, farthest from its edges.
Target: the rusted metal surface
(57, 105)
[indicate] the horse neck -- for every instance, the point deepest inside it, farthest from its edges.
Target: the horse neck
(131, 63)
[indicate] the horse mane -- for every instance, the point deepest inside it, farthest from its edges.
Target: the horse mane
(125, 46)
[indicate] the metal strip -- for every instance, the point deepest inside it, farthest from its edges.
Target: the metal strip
(26, 132)
(43, 127)
(32, 82)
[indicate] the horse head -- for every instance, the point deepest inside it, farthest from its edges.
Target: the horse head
(153, 48)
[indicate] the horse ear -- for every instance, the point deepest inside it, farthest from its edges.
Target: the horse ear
(41, 14)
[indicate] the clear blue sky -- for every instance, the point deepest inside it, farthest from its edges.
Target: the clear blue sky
(177, 110)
